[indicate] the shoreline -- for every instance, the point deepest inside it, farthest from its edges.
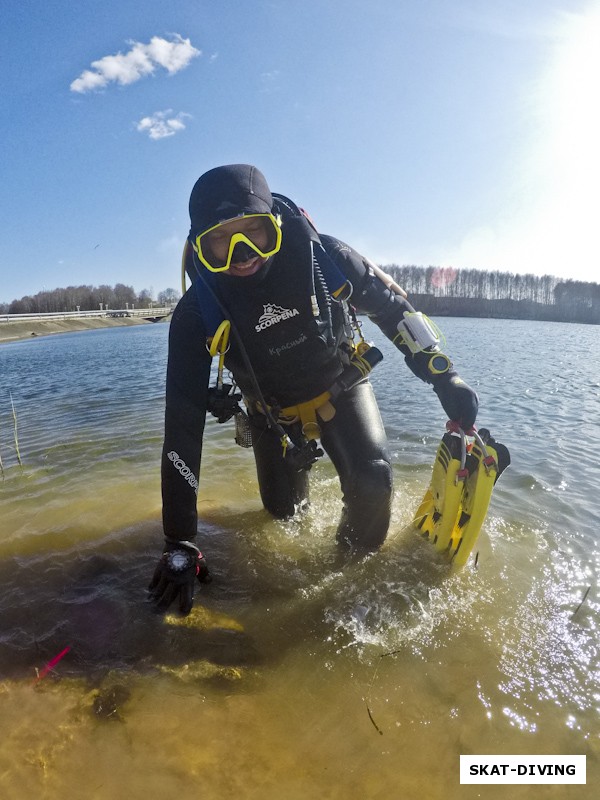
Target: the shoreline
(25, 329)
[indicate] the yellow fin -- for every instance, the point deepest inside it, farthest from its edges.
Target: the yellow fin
(475, 504)
(439, 509)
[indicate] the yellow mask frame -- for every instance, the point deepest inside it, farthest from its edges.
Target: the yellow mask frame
(202, 246)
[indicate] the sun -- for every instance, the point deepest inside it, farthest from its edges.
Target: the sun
(564, 225)
(549, 223)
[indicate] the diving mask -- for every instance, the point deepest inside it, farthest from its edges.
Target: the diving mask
(258, 234)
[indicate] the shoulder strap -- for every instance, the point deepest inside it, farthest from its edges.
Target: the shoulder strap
(287, 208)
(334, 278)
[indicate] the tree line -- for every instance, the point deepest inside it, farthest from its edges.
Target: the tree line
(479, 293)
(89, 298)
(434, 290)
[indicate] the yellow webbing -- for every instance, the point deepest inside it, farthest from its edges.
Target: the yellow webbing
(307, 412)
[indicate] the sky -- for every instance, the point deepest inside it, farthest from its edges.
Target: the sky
(429, 132)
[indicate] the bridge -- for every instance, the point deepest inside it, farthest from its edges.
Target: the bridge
(149, 314)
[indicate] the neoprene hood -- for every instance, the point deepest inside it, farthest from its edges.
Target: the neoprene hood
(226, 192)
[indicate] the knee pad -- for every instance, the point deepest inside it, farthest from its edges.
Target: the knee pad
(371, 483)
(367, 506)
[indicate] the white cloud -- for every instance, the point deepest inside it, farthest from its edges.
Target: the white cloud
(162, 124)
(139, 61)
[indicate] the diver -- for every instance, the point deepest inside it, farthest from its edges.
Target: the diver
(288, 298)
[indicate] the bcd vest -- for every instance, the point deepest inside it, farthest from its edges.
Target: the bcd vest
(291, 327)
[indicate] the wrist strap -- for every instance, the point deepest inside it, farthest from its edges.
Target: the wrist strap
(183, 543)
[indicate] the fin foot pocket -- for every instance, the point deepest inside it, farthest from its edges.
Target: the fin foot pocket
(457, 500)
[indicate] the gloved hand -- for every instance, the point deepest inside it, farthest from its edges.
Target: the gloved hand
(458, 400)
(175, 576)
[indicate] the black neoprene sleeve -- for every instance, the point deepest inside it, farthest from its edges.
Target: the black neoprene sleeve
(188, 374)
(372, 297)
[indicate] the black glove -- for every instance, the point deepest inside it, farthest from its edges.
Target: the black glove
(175, 576)
(458, 400)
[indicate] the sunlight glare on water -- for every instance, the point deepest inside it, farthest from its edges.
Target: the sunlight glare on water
(300, 673)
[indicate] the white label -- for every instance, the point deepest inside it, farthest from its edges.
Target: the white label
(522, 769)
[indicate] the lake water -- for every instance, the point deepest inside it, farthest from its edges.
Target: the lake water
(296, 675)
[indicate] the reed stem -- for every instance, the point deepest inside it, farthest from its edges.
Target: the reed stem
(16, 432)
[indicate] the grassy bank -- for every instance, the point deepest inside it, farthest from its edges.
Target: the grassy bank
(26, 329)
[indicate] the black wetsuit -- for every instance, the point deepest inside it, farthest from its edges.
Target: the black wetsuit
(293, 364)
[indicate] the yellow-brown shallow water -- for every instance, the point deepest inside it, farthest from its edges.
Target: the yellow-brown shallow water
(299, 674)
